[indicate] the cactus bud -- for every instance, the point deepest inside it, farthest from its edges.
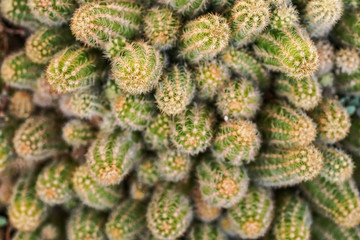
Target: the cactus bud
(78, 132)
(204, 211)
(347, 60)
(187, 8)
(157, 134)
(204, 231)
(147, 171)
(21, 104)
(173, 166)
(326, 57)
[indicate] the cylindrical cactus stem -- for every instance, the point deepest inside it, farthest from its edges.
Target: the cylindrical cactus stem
(244, 63)
(304, 93)
(347, 31)
(347, 60)
(325, 229)
(75, 68)
(169, 213)
(7, 152)
(203, 38)
(338, 201)
(127, 221)
(284, 15)
(161, 27)
(284, 126)
(52, 13)
(237, 142)
(133, 112)
(247, 20)
(175, 90)
(112, 155)
(26, 211)
(95, 23)
(19, 71)
(43, 44)
(282, 168)
(38, 138)
(86, 223)
(21, 105)
(204, 211)
(221, 184)
(53, 185)
(147, 171)
(205, 231)
(348, 84)
(138, 68)
(288, 50)
(326, 57)
(187, 8)
(173, 166)
(210, 77)
(352, 141)
(238, 99)
(192, 131)
(91, 193)
(292, 218)
(252, 216)
(78, 132)
(332, 119)
(157, 134)
(114, 47)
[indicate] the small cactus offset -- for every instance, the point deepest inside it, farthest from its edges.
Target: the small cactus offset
(133, 112)
(161, 27)
(147, 171)
(138, 68)
(92, 194)
(338, 201)
(347, 60)
(78, 132)
(96, 23)
(326, 57)
(43, 44)
(252, 216)
(173, 166)
(304, 93)
(292, 218)
(192, 131)
(205, 231)
(347, 31)
(221, 185)
(238, 99)
(204, 38)
(127, 221)
(332, 120)
(284, 126)
(175, 90)
(247, 20)
(74, 68)
(86, 223)
(21, 105)
(53, 185)
(157, 134)
(237, 142)
(281, 168)
(187, 8)
(19, 71)
(204, 211)
(169, 213)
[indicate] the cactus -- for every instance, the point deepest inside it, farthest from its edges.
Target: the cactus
(138, 69)
(21, 104)
(282, 168)
(192, 131)
(348, 84)
(92, 194)
(237, 142)
(347, 31)
(221, 185)
(238, 99)
(75, 68)
(175, 90)
(209, 77)
(157, 134)
(187, 8)
(347, 60)
(44, 96)
(19, 71)
(43, 44)
(326, 57)
(304, 93)
(114, 47)
(96, 23)
(137, 190)
(78, 132)
(338, 201)
(86, 223)
(53, 185)
(284, 15)
(173, 166)
(288, 50)
(127, 221)
(352, 141)
(204, 231)
(111, 90)
(245, 64)
(247, 20)
(204, 211)
(169, 212)
(161, 27)
(38, 138)
(203, 38)
(147, 171)
(292, 218)
(7, 152)
(133, 112)
(285, 127)
(26, 211)
(332, 119)
(44, 232)
(252, 216)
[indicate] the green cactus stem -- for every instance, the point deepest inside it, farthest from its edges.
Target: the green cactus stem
(173, 166)
(147, 171)
(205, 231)
(187, 8)
(157, 134)
(78, 132)
(347, 31)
